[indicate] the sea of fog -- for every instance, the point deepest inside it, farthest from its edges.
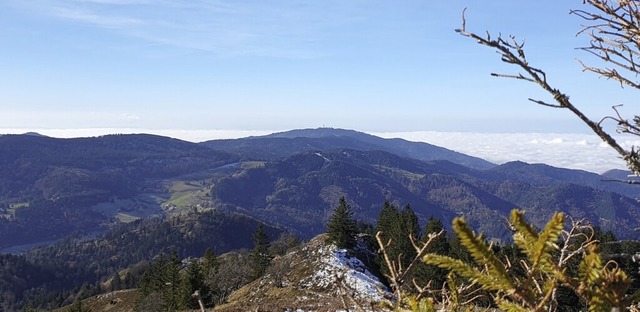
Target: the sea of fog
(575, 151)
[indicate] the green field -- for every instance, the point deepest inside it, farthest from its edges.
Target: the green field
(130, 209)
(186, 194)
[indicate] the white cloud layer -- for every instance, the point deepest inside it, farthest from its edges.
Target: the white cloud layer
(574, 151)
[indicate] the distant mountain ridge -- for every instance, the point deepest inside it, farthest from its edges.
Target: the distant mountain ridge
(48, 184)
(299, 191)
(290, 181)
(283, 144)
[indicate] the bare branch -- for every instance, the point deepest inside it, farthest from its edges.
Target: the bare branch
(512, 52)
(545, 103)
(397, 274)
(613, 32)
(420, 254)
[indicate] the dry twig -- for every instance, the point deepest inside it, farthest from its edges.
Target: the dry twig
(615, 39)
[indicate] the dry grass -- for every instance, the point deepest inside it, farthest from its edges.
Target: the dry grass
(117, 301)
(298, 289)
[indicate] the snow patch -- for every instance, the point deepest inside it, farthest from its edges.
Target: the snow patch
(336, 264)
(326, 160)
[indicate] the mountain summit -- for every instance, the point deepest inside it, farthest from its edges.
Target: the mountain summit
(283, 144)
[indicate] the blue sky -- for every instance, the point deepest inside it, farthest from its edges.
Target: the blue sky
(379, 66)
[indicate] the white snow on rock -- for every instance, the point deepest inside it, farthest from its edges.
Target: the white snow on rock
(336, 264)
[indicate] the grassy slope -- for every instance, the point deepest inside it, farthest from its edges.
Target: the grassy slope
(117, 301)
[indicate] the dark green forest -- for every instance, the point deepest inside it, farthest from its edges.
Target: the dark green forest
(49, 276)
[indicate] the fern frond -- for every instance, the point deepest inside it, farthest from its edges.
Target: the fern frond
(603, 286)
(421, 305)
(481, 253)
(510, 306)
(590, 267)
(541, 256)
(484, 279)
(539, 248)
(454, 300)
(598, 304)
(525, 236)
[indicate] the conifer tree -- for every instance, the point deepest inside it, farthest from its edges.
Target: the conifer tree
(441, 244)
(160, 284)
(210, 263)
(260, 257)
(342, 227)
(116, 282)
(171, 291)
(425, 274)
(397, 227)
(77, 307)
(28, 308)
(153, 278)
(193, 281)
(603, 286)
(150, 285)
(387, 221)
(409, 227)
(387, 226)
(128, 281)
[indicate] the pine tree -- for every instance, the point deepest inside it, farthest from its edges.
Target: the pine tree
(342, 227)
(192, 281)
(603, 286)
(153, 278)
(409, 227)
(171, 291)
(160, 284)
(210, 263)
(441, 244)
(28, 308)
(128, 281)
(386, 226)
(77, 307)
(399, 227)
(260, 257)
(387, 221)
(424, 273)
(116, 282)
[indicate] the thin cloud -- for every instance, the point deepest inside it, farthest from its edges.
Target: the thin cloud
(96, 20)
(129, 117)
(282, 28)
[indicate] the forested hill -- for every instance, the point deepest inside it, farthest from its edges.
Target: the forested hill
(42, 167)
(47, 185)
(51, 186)
(283, 144)
(298, 192)
(49, 276)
